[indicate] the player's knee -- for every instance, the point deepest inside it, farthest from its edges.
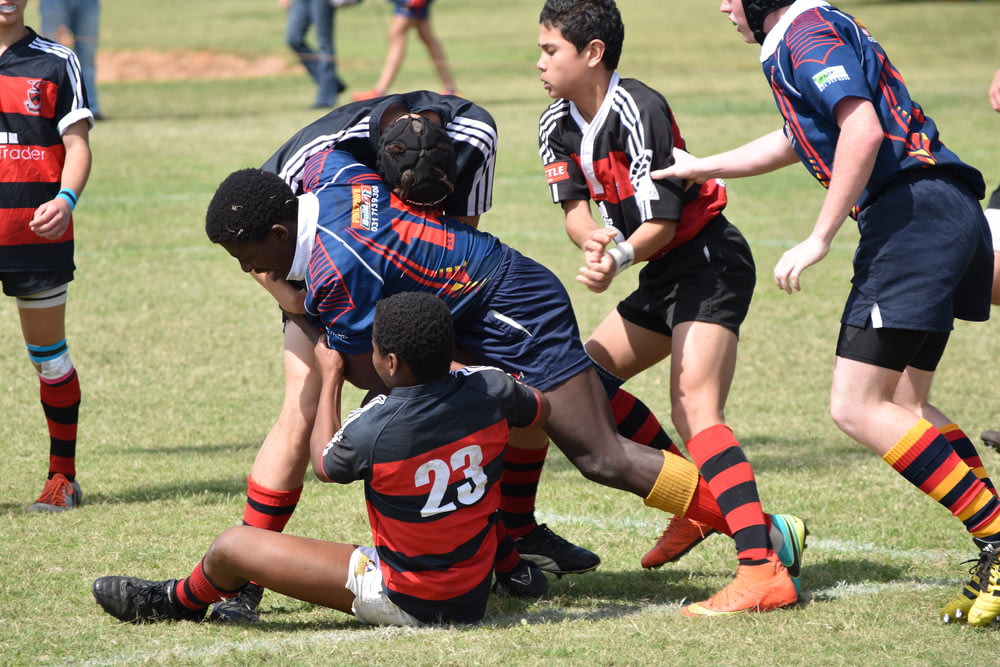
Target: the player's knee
(52, 362)
(232, 541)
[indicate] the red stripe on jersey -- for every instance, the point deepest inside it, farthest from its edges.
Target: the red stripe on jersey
(28, 96)
(14, 229)
(31, 164)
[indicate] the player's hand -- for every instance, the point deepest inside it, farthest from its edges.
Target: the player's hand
(685, 167)
(600, 267)
(330, 362)
(51, 219)
(796, 260)
(995, 91)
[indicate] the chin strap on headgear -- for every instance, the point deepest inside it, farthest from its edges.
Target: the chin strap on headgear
(757, 10)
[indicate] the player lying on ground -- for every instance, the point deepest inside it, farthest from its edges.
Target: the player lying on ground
(430, 454)
(354, 242)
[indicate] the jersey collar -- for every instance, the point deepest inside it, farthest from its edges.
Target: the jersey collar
(306, 236)
(777, 33)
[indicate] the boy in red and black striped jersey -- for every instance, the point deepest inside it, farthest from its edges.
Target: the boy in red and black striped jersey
(430, 454)
(598, 141)
(44, 165)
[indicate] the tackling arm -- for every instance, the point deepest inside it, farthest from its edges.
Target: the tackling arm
(760, 156)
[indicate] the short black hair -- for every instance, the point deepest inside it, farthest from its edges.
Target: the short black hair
(416, 327)
(247, 204)
(582, 21)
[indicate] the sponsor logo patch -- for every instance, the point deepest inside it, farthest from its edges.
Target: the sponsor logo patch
(830, 76)
(556, 171)
(364, 207)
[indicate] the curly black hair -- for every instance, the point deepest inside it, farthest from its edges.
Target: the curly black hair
(416, 327)
(581, 21)
(247, 204)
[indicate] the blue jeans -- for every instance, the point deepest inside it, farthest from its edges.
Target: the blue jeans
(83, 18)
(320, 63)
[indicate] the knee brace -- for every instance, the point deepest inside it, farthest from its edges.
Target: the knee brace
(51, 361)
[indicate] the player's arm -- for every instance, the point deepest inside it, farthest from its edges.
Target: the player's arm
(860, 137)
(332, 367)
(604, 263)
(290, 298)
(760, 156)
(52, 218)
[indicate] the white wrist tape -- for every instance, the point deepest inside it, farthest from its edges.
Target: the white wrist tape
(623, 255)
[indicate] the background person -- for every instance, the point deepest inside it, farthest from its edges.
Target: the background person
(77, 23)
(320, 62)
(410, 15)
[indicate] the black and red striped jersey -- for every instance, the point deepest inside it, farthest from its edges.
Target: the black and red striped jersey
(431, 457)
(354, 128)
(41, 94)
(608, 160)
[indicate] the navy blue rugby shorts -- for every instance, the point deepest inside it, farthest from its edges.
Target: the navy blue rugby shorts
(525, 326)
(925, 256)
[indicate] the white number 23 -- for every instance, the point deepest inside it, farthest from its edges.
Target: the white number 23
(437, 472)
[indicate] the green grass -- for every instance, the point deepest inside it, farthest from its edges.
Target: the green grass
(179, 357)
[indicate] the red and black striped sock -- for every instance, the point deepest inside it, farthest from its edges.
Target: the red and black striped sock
(61, 404)
(730, 478)
(637, 422)
(522, 469)
(197, 591)
(267, 508)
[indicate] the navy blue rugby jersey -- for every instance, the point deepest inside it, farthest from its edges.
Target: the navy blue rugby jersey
(354, 128)
(817, 55)
(369, 244)
(41, 95)
(431, 458)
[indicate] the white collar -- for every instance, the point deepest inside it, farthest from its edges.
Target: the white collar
(775, 35)
(306, 236)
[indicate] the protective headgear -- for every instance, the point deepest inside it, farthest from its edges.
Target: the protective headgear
(757, 10)
(416, 158)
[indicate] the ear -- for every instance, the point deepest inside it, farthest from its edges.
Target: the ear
(392, 364)
(594, 52)
(280, 232)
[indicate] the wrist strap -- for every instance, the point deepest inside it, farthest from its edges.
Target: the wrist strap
(623, 255)
(69, 196)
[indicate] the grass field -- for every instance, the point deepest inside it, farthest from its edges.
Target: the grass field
(179, 359)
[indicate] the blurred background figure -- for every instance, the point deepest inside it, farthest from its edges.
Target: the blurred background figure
(410, 14)
(321, 63)
(76, 23)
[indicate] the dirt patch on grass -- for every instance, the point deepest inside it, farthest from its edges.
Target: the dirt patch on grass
(179, 65)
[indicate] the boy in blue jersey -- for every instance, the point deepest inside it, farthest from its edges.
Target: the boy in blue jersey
(924, 256)
(354, 241)
(430, 454)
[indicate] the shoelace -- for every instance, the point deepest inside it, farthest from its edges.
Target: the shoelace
(54, 492)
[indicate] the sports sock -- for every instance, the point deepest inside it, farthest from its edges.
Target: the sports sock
(61, 404)
(730, 478)
(197, 591)
(267, 508)
(963, 446)
(522, 469)
(637, 422)
(926, 459)
(507, 555)
(679, 489)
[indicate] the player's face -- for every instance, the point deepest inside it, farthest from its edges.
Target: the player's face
(733, 9)
(273, 254)
(12, 12)
(562, 69)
